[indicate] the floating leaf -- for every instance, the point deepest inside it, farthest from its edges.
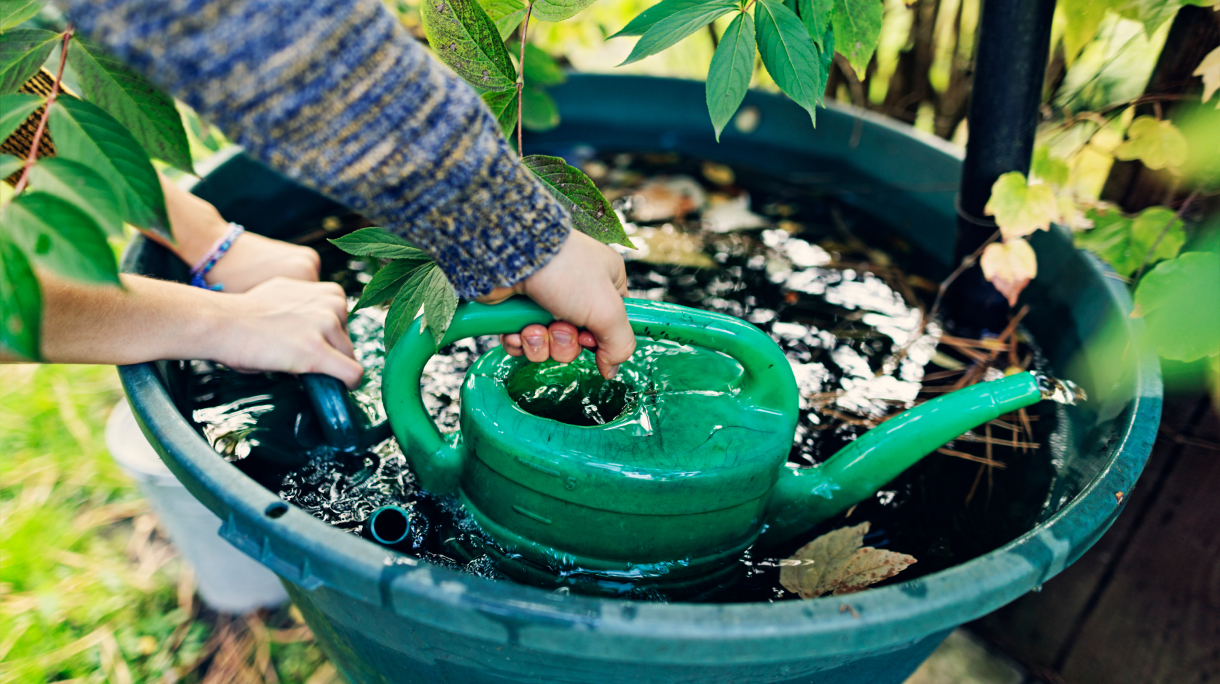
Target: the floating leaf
(87, 134)
(836, 563)
(1019, 208)
(507, 14)
(387, 282)
(378, 242)
(20, 303)
(538, 109)
(815, 15)
(1158, 144)
(591, 213)
(440, 303)
(22, 52)
(732, 67)
(668, 245)
(81, 187)
(406, 304)
(60, 237)
(857, 25)
(14, 110)
(559, 10)
(789, 54)
(147, 113)
(465, 38)
(1180, 303)
(503, 105)
(665, 198)
(1009, 266)
(677, 25)
(1209, 69)
(13, 12)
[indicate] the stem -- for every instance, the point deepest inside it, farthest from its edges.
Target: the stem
(525, 25)
(961, 268)
(46, 112)
(1164, 231)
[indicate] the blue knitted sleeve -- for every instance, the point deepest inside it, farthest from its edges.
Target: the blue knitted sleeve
(337, 96)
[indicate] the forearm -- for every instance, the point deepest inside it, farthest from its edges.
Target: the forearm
(147, 321)
(336, 95)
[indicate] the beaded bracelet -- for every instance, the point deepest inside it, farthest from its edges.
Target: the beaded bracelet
(208, 262)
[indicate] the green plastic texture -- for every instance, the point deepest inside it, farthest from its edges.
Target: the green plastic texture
(384, 617)
(678, 485)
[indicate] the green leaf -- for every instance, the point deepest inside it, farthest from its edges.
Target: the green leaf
(559, 10)
(789, 54)
(857, 26)
(60, 237)
(440, 302)
(1021, 208)
(540, 68)
(1151, 13)
(14, 110)
(1081, 19)
(22, 52)
(507, 14)
(815, 15)
(387, 282)
(728, 78)
(1158, 144)
(826, 57)
(148, 113)
(649, 17)
(538, 110)
(503, 105)
(85, 133)
(20, 303)
(378, 242)
(465, 38)
(678, 25)
(10, 165)
(1050, 170)
(82, 187)
(13, 12)
(591, 213)
(1124, 243)
(406, 304)
(1180, 303)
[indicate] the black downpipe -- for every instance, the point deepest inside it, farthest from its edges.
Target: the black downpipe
(1010, 65)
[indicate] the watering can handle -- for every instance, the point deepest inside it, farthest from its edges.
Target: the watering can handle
(437, 462)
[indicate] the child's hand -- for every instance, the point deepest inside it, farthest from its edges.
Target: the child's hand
(583, 287)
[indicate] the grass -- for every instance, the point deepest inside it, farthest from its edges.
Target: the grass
(90, 590)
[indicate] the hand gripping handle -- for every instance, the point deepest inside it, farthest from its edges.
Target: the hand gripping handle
(769, 382)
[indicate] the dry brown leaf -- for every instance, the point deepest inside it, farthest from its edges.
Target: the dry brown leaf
(836, 563)
(666, 198)
(1009, 265)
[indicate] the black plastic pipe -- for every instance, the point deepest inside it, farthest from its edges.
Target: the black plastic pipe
(1010, 65)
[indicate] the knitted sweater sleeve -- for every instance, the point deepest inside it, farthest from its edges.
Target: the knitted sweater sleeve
(337, 96)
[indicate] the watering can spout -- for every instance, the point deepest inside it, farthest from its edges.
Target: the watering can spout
(804, 497)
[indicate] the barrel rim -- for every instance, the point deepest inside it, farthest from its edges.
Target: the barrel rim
(314, 555)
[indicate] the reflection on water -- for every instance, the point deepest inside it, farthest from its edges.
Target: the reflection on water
(846, 314)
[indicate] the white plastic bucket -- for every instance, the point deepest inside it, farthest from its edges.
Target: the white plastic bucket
(228, 580)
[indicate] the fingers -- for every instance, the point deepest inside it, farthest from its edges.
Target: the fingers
(587, 340)
(615, 340)
(536, 342)
(332, 362)
(512, 344)
(564, 347)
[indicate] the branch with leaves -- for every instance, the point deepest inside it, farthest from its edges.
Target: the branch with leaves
(65, 207)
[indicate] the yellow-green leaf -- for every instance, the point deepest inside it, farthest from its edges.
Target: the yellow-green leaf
(1020, 208)
(857, 25)
(1179, 301)
(1209, 69)
(1127, 243)
(1158, 144)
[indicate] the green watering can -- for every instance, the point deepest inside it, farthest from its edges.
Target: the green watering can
(667, 495)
